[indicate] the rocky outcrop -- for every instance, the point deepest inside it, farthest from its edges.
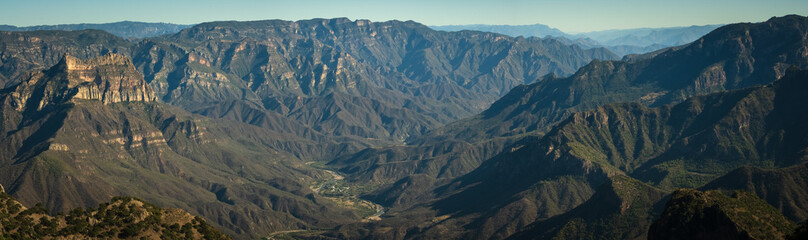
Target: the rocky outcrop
(110, 79)
(121, 218)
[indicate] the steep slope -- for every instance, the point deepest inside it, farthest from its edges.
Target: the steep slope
(665, 146)
(415, 77)
(785, 188)
(84, 131)
(682, 145)
(691, 214)
(121, 218)
(622, 208)
(731, 57)
(391, 80)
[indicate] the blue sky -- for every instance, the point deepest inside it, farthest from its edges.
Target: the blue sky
(567, 15)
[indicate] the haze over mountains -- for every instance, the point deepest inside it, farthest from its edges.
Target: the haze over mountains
(619, 41)
(125, 29)
(292, 129)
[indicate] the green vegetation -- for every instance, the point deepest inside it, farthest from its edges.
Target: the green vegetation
(346, 194)
(785, 188)
(338, 188)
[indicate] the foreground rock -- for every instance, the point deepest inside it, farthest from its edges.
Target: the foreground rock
(121, 218)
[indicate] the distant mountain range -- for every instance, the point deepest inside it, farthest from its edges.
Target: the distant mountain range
(535, 30)
(619, 41)
(669, 36)
(125, 29)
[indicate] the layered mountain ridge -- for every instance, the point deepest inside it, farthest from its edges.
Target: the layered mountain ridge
(389, 81)
(432, 75)
(684, 145)
(656, 79)
(544, 173)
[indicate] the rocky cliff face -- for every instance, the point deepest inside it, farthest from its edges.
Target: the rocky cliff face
(110, 79)
(398, 79)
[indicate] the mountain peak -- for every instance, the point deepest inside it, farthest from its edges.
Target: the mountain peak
(790, 17)
(109, 78)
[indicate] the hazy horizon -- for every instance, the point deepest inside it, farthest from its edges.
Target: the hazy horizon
(568, 16)
(473, 24)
